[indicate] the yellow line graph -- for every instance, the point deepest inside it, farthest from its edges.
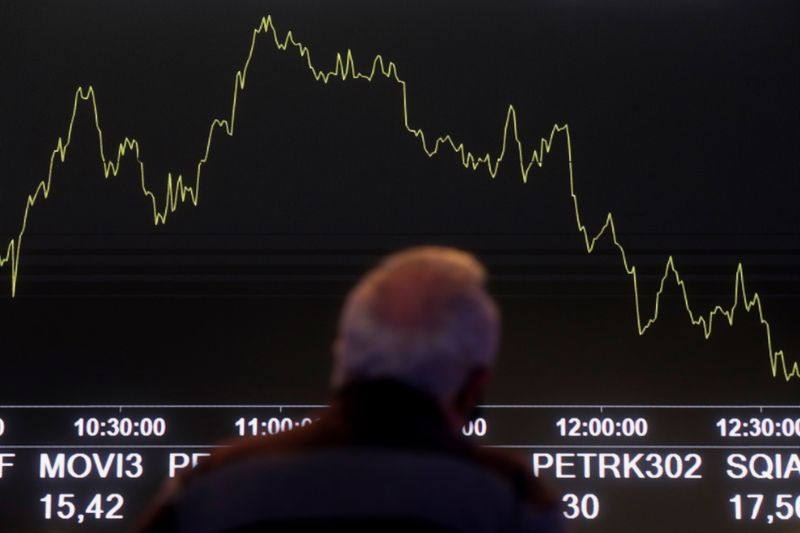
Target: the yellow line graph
(178, 190)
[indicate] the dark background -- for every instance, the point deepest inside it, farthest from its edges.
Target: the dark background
(684, 125)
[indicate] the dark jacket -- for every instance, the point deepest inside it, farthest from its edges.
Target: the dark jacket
(383, 453)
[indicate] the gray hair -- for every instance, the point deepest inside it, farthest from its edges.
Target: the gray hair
(422, 317)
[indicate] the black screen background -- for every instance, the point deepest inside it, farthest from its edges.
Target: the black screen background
(684, 125)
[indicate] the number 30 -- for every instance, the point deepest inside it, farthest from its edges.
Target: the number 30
(586, 506)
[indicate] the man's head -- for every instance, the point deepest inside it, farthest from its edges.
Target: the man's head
(424, 318)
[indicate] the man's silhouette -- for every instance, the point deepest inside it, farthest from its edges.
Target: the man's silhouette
(416, 345)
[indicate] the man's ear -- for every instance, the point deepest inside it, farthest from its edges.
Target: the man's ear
(470, 393)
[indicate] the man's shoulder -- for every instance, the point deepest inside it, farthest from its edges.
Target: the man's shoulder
(323, 456)
(429, 486)
(334, 430)
(325, 433)
(516, 471)
(327, 440)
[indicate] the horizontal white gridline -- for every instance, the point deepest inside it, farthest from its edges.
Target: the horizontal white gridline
(321, 406)
(520, 446)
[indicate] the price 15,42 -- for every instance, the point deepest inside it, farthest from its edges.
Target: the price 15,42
(96, 507)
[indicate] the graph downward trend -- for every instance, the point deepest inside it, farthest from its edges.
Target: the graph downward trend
(179, 190)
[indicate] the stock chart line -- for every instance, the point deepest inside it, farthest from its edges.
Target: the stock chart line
(180, 190)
